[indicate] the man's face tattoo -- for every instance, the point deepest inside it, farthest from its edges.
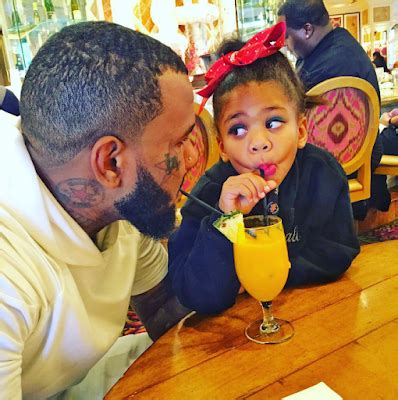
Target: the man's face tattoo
(170, 166)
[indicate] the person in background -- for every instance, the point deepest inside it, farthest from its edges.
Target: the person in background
(259, 106)
(88, 184)
(379, 61)
(324, 52)
(389, 135)
(8, 101)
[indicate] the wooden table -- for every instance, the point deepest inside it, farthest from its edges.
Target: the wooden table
(346, 335)
(389, 99)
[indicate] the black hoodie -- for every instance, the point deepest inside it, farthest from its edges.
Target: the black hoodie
(317, 217)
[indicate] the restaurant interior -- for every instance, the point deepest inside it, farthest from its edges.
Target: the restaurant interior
(355, 318)
(191, 27)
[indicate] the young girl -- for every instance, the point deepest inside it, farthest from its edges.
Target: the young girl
(259, 107)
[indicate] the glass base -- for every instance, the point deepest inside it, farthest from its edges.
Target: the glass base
(280, 331)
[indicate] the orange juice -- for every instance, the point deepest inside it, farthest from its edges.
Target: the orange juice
(262, 263)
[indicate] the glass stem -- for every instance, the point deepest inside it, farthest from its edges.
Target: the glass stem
(269, 324)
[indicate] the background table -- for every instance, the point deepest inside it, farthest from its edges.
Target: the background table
(389, 99)
(346, 335)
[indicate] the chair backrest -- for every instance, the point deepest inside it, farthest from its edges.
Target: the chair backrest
(204, 138)
(347, 124)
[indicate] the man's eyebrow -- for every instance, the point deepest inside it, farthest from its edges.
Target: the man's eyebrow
(187, 132)
(190, 129)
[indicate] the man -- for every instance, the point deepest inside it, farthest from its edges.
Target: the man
(323, 53)
(105, 118)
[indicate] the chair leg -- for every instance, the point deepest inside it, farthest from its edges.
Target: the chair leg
(356, 230)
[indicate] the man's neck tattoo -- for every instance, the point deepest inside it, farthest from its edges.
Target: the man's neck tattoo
(79, 193)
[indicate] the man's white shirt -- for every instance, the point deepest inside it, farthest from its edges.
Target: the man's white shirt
(63, 299)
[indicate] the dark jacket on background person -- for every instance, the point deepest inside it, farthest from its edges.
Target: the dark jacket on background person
(316, 212)
(380, 62)
(389, 138)
(8, 101)
(339, 54)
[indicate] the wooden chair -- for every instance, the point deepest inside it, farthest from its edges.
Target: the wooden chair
(388, 166)
(346, 125)
(204, 138)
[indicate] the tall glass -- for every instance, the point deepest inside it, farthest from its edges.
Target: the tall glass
(262, 265)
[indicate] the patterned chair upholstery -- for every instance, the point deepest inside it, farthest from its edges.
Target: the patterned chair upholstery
(205, 142)
(346, 125)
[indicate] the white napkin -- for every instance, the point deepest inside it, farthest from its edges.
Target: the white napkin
(319, 391)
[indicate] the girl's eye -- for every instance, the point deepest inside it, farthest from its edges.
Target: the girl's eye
(237, 130)
(274, 123)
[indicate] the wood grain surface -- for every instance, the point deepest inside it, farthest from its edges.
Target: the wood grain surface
(345, 335)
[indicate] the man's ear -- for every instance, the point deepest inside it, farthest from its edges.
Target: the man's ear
(223, 154)
(308, 29)
(107, 159)
(302, 132)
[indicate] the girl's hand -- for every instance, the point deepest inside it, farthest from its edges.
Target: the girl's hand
(243, 192)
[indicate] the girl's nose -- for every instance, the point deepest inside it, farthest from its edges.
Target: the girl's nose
(260, 142)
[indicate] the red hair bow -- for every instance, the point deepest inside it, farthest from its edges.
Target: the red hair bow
(261, 45)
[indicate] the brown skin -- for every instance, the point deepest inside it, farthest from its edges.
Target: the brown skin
(89, 184)
(389, 118)
(256, 128)
(303, 41)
